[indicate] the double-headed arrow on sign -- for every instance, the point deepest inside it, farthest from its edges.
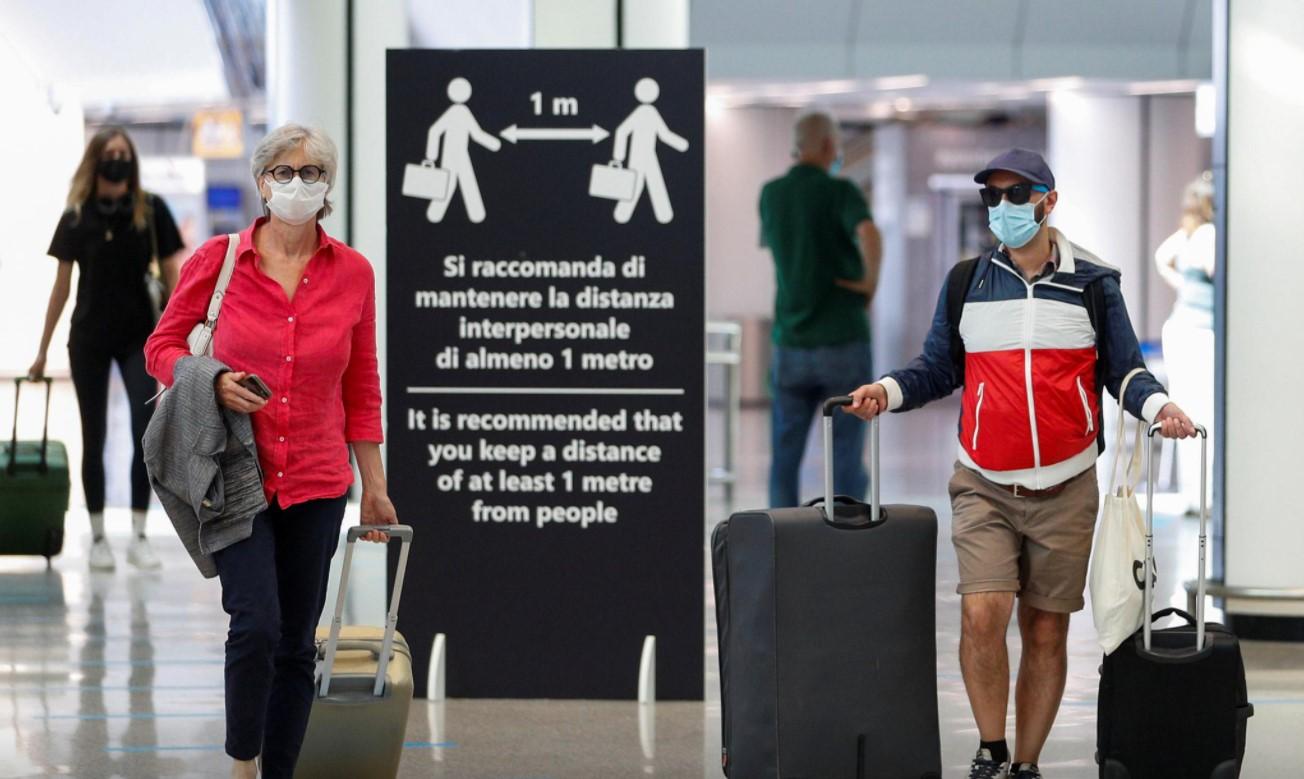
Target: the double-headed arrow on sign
(592, 134)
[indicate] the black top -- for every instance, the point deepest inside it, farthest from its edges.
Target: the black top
(113, 307)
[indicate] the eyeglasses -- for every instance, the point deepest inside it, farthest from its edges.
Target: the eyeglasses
(1017, 194)
(284, 174)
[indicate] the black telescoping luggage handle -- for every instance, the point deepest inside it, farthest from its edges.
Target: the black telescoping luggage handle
(45, 434)
(830, 500)
(402, 533)
(1198, 621)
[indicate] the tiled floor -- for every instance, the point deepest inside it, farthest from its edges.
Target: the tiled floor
(119, 675)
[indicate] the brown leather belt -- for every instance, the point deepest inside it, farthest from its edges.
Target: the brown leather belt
(1023, 492)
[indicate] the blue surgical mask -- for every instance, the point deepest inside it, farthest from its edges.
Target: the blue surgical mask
(1014, 225)
(835, 167)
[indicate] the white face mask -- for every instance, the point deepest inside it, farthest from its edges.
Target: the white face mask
(296, 202)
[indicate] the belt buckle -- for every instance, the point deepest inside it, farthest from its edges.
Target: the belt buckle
(1015, 490)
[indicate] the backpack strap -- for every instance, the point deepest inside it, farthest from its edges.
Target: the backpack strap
(957, 288)
(1094, 297)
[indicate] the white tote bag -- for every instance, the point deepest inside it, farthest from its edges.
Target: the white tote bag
(200, 339)
(1117, 589)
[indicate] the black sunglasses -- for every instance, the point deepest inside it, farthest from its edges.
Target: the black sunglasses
(284, 174)
(1017, 194)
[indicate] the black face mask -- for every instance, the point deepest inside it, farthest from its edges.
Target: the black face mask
(115, 170)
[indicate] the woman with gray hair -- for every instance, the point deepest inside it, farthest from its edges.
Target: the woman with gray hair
(298, 329)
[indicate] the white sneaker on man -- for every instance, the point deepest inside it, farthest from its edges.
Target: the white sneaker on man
(101, 557)
(141, 555)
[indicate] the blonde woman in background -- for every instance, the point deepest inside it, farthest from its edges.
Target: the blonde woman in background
(112, 230)
(1186, 262)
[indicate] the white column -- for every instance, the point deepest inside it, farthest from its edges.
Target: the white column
(1263, 344)
(632, 24)
(308, 75)
(1094, 148)
(307, 78)
(376, 26)
(654, 24)
(574, 24)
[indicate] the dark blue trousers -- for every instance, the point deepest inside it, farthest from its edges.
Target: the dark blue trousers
(273, 587)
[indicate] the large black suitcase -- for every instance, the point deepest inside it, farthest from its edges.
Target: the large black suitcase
(827, 628)
(1172, 702)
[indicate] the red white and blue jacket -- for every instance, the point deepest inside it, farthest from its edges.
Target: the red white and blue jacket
(1031, 412)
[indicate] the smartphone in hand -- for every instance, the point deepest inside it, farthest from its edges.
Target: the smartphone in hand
(256, 386)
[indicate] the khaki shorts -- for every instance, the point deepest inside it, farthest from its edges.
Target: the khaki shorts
(1037, 547)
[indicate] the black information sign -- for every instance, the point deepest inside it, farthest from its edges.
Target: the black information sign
(545, 387)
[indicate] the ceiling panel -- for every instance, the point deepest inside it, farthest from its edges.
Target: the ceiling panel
(986, 23)
(772, 21)
(128, 52)
(979, 40)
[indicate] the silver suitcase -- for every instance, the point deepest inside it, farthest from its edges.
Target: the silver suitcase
(364, 686)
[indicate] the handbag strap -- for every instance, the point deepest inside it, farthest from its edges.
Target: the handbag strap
(1133, 472)
(223, 279)
(153, 235)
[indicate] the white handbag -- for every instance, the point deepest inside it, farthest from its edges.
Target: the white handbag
(613, 182)
(200, 339)
(425, 181)
(1116, 583)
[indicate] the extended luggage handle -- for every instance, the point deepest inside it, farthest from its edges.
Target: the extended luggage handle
(830, 502)
(1150, 537)
(45, 434)
(403, 533)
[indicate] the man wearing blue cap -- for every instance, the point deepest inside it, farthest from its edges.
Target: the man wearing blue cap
(1033, 331)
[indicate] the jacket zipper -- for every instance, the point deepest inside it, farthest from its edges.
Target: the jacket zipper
(1086, 408)
(1029, 327)
(977, 415)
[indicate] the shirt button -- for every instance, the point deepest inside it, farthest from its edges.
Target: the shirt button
(279, 474)
(285, 400)
(290, 319)
(281, 439)
(305, 279)
(288, 358)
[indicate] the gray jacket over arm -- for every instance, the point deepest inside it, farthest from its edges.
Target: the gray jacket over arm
(203, 464)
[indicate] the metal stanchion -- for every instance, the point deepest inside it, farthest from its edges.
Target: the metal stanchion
(729, 336)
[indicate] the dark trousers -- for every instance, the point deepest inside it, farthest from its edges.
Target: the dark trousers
(90, 377)
(273, 586)
(801, 380)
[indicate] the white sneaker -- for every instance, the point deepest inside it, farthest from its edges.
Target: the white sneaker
(102, 556)
(141, 555)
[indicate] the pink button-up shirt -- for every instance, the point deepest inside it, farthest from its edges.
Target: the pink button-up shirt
(316, 352)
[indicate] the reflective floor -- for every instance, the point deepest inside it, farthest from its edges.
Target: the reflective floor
(119, 675)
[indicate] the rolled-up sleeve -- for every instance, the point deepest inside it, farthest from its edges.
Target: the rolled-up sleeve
(361, 383)
(186, 308)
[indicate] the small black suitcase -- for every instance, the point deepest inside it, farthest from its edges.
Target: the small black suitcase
(827, 629)
(1172, 702)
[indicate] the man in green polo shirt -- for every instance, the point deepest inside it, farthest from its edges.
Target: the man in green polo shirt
(827, 254)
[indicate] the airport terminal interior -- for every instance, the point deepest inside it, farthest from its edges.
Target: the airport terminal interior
(1150, 115)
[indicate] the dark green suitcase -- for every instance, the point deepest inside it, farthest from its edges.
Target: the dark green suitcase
(33, 489)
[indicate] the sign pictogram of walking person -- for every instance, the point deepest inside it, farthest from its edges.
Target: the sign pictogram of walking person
(636, 139)
(438, 178)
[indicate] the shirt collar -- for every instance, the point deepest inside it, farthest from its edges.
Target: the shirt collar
(1052, 265)
(325, 243)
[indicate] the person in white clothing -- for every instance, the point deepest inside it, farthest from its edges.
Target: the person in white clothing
(1185, 261)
